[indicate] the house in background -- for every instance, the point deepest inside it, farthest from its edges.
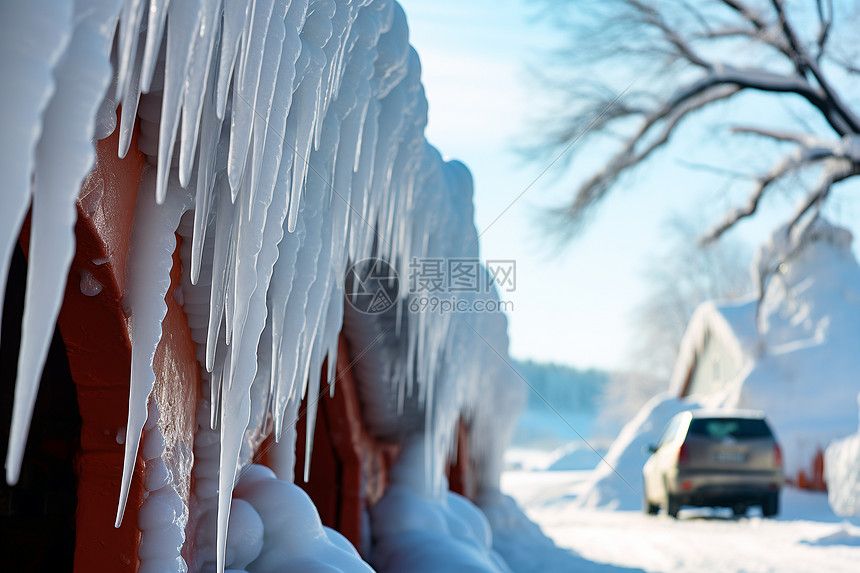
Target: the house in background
(792, 353)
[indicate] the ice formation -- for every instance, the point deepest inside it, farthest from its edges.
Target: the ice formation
(285, 141)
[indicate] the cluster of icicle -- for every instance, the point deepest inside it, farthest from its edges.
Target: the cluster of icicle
(285, 140)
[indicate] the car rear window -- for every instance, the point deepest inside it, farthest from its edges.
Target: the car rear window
(736, 428)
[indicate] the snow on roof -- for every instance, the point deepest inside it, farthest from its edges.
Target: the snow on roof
(732, 324)
(709, 413)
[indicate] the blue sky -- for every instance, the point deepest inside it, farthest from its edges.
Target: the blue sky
(571, 305)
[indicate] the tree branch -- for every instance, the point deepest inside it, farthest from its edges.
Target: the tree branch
(834, 172)
(800, 138)
(805, 64)
(653, 17)
(797, 52)
(691, 33)
(825, 22)
(801, 157)
(766, 81)
(593, 189)
(747, 13)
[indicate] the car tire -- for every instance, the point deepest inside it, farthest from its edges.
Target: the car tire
(673, 505)
(650, 508)
(740, 510)
(770, 504)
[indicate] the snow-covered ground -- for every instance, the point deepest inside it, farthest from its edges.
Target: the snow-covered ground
(806, 537)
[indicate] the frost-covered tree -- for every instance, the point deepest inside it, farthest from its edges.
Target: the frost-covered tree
(639, 69)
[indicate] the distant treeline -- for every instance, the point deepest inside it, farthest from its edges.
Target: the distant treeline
(564, 387)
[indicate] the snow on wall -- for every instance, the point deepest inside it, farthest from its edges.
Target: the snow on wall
(286, 141)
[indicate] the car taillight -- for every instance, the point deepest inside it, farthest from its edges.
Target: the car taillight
(683, 454)
(777, 455)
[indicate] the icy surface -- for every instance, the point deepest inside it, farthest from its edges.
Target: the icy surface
(286, 142)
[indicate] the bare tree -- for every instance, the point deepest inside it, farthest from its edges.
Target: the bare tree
(677, 281)
(691, 54)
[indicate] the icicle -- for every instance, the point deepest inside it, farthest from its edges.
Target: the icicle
(329, 35)
(290, 292)
(245, 93)
(279, 294)
(250, 239)
(313, 345)
(272, 157)
(199, 70)
(185, 17)
(129, 34)
(29, 63)
(235, 413)
(236, 403)
(220, 258)
(314, 35)
(269, 74)
(236, 19)
(65, 152)
(154, 34)
(150, 260)
(130, 99)
(210, 134)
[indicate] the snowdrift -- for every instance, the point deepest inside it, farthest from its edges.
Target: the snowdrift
(617, 481)
(842, 472)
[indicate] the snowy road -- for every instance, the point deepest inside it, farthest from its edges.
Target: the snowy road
(806, 538)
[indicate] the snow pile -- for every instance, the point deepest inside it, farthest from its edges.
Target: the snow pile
(286, 142)
(576, 456)
(421, 529)
(616, 483)
(842, 474)
(522, 544)
(274, 526)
